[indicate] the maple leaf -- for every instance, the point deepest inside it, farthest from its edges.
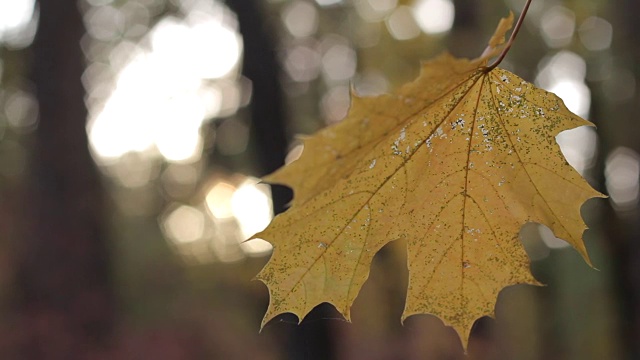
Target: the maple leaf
(454, 162)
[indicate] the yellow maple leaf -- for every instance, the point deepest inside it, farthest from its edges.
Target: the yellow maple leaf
(454, 162)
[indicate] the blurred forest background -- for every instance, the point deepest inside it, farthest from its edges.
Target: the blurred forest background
(133, 134)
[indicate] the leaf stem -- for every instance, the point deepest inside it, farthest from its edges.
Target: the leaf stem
(512, 38)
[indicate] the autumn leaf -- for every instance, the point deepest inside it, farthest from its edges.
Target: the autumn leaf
(454, 162)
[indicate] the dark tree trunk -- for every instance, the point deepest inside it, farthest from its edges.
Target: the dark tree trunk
(268, 115)
(311, 339)
(64, 297)
(619, 128)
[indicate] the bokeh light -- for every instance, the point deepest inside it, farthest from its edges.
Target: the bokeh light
(374, 10)
(339, 60)
(371, 83)
(184, 224)
(300, 18)
(133, 170)
(233, 209)
(575, 94)
(218, 200)
(18, 21)
(329, 2)
(294, 153)
(251, 206)
(579, 147)
(596, 33)
(335, 103)
(622, 171)
(162, 94)
(401, 24)
(564, 74)
(149, 94)
(550, 240)
(21, 111)
(557, 26)
(104, 23)
(302, 63)
(434, 16)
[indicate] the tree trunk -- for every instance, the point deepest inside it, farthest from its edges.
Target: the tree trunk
(268, 114)
(65, 298)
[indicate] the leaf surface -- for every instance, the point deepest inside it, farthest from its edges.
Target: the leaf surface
(454, 162)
